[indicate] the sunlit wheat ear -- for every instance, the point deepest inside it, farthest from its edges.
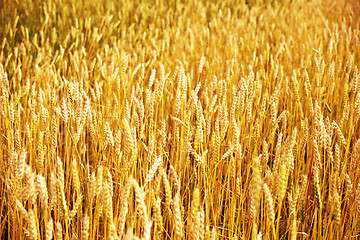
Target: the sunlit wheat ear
(345, 102)
(140, 199)
(207, 232)
(156, 205)
(109, 139)
(357, 102)
(224, 119)
(184, 84)
(355, 156)
(177, 216)
(337, 208)
(249, 108)
(349, 187)
(60, 172)
(255, 194)
(54, 136)
(153, 169)
(147, 229)
(58, 231)
(21, 209)
(274, 101)
(107, 200)
(117, 142)
(357, 197)
(32, 225)
(53, 191)
(282, 184)
(161, 83)
(302, 190)
(30, 192)
(195, 203)
(92, 185)
(215, 143)
(339, 134)
(168, 193)
(293, 200)
(151, 106)
(42, 191)
(129, 142)
(201, 224)
(201, 65)
(113, 232)
(3, 79)
(317, 190)
(317, 160)
(227, 153)
(12, 162)
(17, 140)
(76, 207)
(269, 204)
(124, 205)
(19, 165)
(278, 152)
(49, 229)
(85, 227)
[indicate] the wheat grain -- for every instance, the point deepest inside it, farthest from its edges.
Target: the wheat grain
(32, 225)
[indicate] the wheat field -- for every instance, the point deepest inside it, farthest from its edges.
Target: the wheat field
(186, 119)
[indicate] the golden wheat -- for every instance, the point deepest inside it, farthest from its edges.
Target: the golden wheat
(179, 119)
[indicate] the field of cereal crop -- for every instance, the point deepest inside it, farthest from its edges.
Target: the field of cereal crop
(179, 119)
